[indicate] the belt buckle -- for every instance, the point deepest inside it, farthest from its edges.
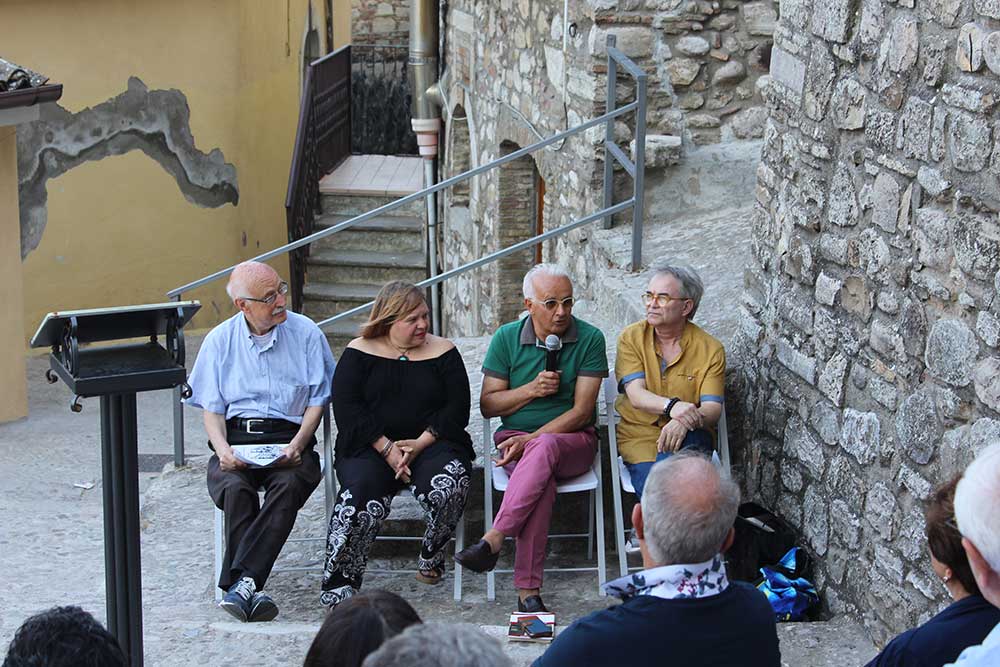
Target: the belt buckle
(247, 422)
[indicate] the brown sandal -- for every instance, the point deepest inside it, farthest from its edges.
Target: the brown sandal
(431, 576)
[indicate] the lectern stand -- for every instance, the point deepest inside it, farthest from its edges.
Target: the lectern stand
(116, 373)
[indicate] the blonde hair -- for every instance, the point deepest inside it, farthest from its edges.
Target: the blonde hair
(395, 300)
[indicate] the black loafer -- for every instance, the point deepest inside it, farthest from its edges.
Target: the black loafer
(479, 557)
(531, 605)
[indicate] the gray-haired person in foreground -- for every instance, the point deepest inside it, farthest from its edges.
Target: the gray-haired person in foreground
(440, 645)
(682, 609)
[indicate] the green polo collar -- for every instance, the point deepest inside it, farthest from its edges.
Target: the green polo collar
(528, 336)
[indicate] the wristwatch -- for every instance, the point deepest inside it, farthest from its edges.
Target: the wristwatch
(668, 406)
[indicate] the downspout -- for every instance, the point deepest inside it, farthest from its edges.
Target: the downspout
(426, 120)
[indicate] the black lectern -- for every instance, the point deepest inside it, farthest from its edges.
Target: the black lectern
(116, 373)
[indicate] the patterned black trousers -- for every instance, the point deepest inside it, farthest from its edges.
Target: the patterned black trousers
(439, 482)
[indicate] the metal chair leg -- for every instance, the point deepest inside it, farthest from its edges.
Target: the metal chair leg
(220, 518)
(459, 545)
(491, 588)
(590, 528)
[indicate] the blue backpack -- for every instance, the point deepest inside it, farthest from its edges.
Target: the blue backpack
(790, 595)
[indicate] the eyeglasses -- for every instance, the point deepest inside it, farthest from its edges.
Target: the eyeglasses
(270, 299)
(550, 304)
(662, 300)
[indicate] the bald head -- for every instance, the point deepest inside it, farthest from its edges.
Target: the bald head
(688, 509)
(249, 279)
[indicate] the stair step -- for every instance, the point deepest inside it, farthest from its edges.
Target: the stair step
(347, 204)
(404, 233)
(365, 267)
(323, 300)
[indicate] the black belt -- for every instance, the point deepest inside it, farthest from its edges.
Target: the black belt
(260, 425)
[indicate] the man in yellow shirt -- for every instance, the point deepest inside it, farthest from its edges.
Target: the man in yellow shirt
(671, 374)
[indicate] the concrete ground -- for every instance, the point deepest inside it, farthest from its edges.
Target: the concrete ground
(51, 536)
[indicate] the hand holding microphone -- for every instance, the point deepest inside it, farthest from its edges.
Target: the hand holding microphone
(547, 382)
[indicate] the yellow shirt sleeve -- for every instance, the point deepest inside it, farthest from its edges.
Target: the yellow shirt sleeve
(628, 361)
(714, 385)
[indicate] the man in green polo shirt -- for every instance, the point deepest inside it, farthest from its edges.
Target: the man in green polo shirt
(547, 422)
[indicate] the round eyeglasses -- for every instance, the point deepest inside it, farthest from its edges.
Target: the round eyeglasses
(270, 298)
(661, 300)
(550, 304)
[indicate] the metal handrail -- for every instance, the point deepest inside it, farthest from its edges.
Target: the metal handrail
(447, 183)
(613, 153)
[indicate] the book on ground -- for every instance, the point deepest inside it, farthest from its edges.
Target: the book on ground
(519, 622)
(259, 456)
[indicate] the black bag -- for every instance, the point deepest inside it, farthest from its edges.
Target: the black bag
(762, 538)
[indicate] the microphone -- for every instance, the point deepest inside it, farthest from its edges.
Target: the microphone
(552, 346)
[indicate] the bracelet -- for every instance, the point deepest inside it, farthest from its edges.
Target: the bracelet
(670, 406)
(388, 445)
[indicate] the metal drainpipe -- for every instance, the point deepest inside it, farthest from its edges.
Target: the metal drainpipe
(426, 121)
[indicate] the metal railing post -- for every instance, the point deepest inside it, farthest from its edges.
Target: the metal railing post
(638, 180)
(609, 132)
(178, 420)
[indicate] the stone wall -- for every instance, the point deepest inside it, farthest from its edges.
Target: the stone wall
(380, 21)
(870, 326)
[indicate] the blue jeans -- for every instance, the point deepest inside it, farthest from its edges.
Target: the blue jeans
(699, 440)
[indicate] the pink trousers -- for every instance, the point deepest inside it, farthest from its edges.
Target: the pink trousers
(526, 510)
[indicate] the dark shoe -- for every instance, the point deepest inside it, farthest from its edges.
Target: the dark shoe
(262, 608)
(531, 605)
(479, 557)
(238, 598)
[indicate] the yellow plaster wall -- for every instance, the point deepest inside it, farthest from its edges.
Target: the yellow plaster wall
(119, 230)
(13, 388)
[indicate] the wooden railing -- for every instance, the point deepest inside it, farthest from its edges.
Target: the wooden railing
(322, 141)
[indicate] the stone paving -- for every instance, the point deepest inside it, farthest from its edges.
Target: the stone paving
(52, 540)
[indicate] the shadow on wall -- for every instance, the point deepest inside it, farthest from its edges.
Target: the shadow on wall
(155, 122)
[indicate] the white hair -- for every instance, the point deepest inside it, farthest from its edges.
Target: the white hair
(440, 645)
(977, 504)
(691, 285)
(554, 270)
(688, 509)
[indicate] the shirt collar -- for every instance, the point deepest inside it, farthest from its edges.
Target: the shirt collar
(673, 582)
(528, 336)
(246, 334)
(685, 338)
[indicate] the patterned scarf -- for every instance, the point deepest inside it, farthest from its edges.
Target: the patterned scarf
(672, 582)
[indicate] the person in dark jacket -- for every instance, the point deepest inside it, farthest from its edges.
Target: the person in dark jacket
(402, 406)
(681, 609)
(967, 620)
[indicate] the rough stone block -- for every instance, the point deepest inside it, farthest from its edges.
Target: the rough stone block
(989, 8)
(634, 42)
(848, 109)
(889, 564)
(913, 481)
(820, 75)
(827, 288)
(859, 435)
(682, 71)
(969, 48)
(885, 340)
(693, 45)
(938, 134)
(918, 429)
(932, 181)
(951, 350)
(802, 365)
(986, 379)
(833, 248)
(880, 509)
(904, 42)
(800, 445)
(831, 380)
(855, 298)
(988, 328)
(832, 20)
(977, 243)
(970, 142)
(787, 70)
(759, 18)
(914, 130)
(791, 478)
(991, 51)
(845, 524)
(749, 123)
(880, 129)
(975, 100)
(843, 210)
(815, 526)
(731, 73)
(661, 150)
(934, 51)
(885, 200)
(874, 254)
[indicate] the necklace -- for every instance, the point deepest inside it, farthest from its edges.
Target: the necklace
(402, 350)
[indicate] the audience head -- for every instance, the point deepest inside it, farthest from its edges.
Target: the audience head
(687, 511)
(977, 510)
(358, 626)
(394, 302)
(63, 637)
(440, 645)
(679, 281)
(945, 542)
(258, 291)
(548, 296)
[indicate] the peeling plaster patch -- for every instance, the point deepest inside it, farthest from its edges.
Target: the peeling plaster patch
(155, 122)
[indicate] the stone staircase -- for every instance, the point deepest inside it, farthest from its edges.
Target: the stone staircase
(347, 269)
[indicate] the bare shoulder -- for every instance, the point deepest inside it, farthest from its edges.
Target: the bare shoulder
(438, 345)
(361, 344)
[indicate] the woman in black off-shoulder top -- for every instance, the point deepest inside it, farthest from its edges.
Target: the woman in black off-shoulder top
(401, 402)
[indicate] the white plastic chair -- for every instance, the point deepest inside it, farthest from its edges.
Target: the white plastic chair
(622, 480)
(590, 481)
